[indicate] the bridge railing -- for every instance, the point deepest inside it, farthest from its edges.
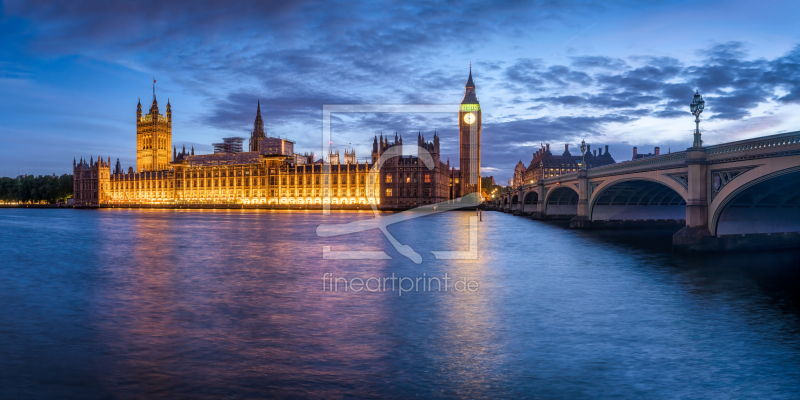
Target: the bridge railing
(676, 158)
(561, 178)
(764, 143)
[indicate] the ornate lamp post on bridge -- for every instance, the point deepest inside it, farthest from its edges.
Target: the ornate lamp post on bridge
(582, 164)
(696, 108)
(581, 220)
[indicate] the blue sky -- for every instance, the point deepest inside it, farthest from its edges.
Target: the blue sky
(611, 73)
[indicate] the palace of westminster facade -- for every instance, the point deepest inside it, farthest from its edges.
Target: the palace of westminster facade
(271, 173)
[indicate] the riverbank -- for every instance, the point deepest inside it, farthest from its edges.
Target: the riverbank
(295, 207)
(33, 206)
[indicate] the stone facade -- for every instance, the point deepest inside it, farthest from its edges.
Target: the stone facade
(90, 182)
(153, 138)
(410, 181)
(469, 127)
(546, 165)
(271, 173)
(519, 174)
(257, 135)
(247, 178)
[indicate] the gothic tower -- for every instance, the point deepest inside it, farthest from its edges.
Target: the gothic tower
(258, 130)
(469, 124)
(153, 137)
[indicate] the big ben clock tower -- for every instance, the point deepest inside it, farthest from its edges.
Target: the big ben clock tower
(469, 123)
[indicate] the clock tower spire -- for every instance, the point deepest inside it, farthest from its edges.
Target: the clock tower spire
(469, 124)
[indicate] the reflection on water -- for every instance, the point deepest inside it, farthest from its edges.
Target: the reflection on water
(229, 303)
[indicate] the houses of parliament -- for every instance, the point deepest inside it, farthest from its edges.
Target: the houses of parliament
(270, 173)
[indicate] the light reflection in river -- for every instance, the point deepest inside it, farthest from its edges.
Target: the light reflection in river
(229, 303)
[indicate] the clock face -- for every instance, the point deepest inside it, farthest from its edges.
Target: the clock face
(469, 118)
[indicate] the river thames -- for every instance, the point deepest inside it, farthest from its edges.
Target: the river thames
(231, 303)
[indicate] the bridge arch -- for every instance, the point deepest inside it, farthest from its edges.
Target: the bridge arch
(530, 201)
(637, 198)
(769, 203)
(562, 200)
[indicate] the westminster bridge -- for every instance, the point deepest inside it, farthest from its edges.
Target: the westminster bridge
(737, 195)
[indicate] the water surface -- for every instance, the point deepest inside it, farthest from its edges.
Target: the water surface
(211, 304)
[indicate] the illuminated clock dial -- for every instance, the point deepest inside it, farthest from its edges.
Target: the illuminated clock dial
(469, 118)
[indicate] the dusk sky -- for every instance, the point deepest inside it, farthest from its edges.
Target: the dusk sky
(611, 73)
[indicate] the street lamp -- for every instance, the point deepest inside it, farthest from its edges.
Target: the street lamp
(582, 165)
(696, 108)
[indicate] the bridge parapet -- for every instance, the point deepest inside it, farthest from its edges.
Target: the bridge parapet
(572, 176)
(768, 144)
(665, 160)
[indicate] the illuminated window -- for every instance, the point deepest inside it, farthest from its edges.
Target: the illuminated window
(388, 191)
(388, 178)
(427, 178)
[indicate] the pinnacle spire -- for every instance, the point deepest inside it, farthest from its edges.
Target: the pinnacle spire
(258, 130)
(469, 90)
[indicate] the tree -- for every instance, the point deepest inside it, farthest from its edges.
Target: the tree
(44, 188)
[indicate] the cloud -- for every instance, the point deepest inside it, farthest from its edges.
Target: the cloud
(661, 87)
(598, 62)
(296, 56)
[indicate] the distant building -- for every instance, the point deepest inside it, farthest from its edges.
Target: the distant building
(229, 145)
(545, 165)
(407, 181)
(637, 155)
(277, 146)
(272, 173)
(469, 127)
(302, 159)
(519, 174)
(487, 182)
(257, 135)
(90, 182)
(153, 138)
